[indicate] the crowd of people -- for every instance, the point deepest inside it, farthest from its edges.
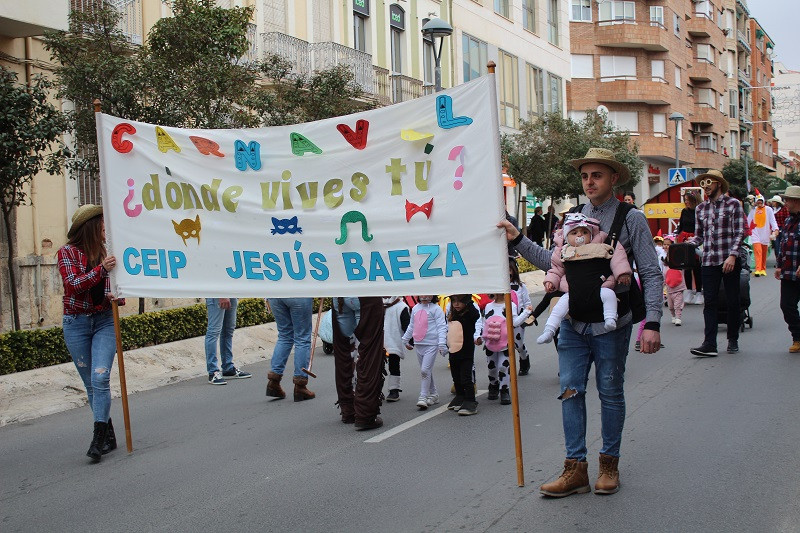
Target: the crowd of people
(596, 249)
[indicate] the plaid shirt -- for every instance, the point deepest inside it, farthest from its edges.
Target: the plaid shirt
(72, 264)
(719, 227)
(780, 216)
(789, 258)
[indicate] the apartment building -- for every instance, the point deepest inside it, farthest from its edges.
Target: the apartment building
(764, 145)
(786, 112)
(641, 61)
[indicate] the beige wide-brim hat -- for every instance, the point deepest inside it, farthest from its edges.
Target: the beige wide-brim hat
(792, 191)
(715, 175)
(565, 208)
(605, 157)
(777, 199)
(82, 215)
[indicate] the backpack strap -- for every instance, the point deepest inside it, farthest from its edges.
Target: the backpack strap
(619, 219)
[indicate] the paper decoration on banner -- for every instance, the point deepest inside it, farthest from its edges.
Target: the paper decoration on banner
(188, 229)
(414, 136)
(285, 225)
(301, 145)
(247, 155)
(444, 114)
(412, 209)
(358, 138)
(353, 216)
(457, 152)
(119, 145)
(126, 203)
(206, 146)
(165, 142)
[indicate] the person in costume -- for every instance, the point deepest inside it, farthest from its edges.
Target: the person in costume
(763, 226)
(463, 317)
(428, 328)
(591, 268)
(781, 214)
(395, 322)
(675, 283)
(523, 300)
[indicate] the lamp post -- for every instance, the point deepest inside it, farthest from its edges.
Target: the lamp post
(437, 28)
(677, 118)
(745, 146)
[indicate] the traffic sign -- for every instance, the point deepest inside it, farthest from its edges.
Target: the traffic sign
(678, 175)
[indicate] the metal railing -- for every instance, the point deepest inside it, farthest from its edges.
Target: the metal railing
(381, 86)
(131, 22)
(327, 55)
(741, 39)
(405, 88)
(292, 49)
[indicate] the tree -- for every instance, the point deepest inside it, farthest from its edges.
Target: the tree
(539, 154)
(793, 177)
(30, 133)
(734, 172)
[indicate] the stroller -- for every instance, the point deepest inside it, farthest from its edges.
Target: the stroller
(746, 319)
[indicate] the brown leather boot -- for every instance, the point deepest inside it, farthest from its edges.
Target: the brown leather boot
(574, 480)
(608, 481)
(300, 391)
(274, 385)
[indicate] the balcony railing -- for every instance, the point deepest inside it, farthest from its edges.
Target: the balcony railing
(742, 40)
(405, 88)
(327, 55)
(381, 86)
(131, 22)
(292, 49)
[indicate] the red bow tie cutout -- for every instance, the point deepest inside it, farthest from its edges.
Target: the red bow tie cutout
(358, 138)
(412, 209)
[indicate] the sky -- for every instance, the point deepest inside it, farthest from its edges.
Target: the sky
(781, 20)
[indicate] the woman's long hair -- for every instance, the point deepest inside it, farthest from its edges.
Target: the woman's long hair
(689, 195)
(89, 238)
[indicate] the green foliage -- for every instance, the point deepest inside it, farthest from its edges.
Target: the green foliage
(29, 349)
(793, 177)
(539, 155)
(734, 172)
(525, 266)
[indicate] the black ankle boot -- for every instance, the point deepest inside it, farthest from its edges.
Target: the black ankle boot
(524, 366)
(111, 439)
(99, 437)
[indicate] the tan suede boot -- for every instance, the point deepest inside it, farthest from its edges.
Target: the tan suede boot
(574, 480)
(274, 385)
(608, 481)
(300, 391)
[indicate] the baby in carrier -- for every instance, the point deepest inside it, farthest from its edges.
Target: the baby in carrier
(586, 269)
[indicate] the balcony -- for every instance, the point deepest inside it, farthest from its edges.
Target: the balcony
(130, 22)
(391, 88)
(741, 42)
(625, 33)
(744, 78)
(703, 70)
(708, 158)
(706, 114)
(32, 17)
(648, 90)
(661, 147)
(405, 88)
(702, 25)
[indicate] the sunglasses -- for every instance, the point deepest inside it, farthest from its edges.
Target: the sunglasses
(706, 182)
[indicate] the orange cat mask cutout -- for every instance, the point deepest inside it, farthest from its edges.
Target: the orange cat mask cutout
(188, 229)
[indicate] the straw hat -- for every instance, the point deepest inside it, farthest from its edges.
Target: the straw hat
(605, 157)
(792, 191)
(83, 215)
(565, 208)
(776, 199)
(717, 176)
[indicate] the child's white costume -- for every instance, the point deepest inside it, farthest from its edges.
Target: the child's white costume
(428, 328)
(495, 339)
(396, 319)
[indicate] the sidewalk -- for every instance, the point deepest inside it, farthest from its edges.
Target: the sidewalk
(44, 391)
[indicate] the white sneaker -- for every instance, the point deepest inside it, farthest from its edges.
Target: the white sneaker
(689, 296)
(677, 322)
(422, 403)
(674, 319)
(699, 300)
(433, 399)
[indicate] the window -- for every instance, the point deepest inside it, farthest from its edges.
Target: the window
(734, 136)
(503, 7)
(657, 16)
(509, 91)
(660, 123)
(703, 8)
(581, 11)
(676, 21)
(475, 57)
(529, 15)
(617, 12)
(555, 93)
(552, 21)
(678, 77)
(397, 51)
(428, 62)
(577, 116)
(706, 97)
(582, 66)
(624, 120)
(360, 33)
(705, 53)
(614, 68)
(657, 70)
(733, 104)
(535, 91)
(707, 142)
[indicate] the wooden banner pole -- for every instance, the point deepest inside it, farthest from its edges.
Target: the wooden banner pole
(512, 360)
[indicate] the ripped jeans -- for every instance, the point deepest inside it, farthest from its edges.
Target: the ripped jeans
(576, 353)
(92, 344)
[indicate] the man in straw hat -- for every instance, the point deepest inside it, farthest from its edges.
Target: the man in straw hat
(787, 268)
(581, 344)
(719, 227)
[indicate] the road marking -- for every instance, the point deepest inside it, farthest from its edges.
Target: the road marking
(413, 422)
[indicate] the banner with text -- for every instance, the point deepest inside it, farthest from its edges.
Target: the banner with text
(399, 200)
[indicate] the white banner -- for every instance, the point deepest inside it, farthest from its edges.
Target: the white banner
(395, 201)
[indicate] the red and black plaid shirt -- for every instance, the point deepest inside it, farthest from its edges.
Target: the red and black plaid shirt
(78, 281)
(781, 215)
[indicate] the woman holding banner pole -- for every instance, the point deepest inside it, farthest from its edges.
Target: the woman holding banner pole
(88, 323)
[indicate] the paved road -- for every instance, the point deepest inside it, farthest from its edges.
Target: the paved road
(709, 445)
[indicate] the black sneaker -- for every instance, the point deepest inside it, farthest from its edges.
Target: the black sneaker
(505, 396)
(216, 379)
(524, 366)
(494, 392)
(733, 346)
(704, 351)
(469, 407)
(236, 374)
(455, 403)
(375, 423)
(394, 395)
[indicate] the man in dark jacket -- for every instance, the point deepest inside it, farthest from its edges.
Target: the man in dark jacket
(537, 227)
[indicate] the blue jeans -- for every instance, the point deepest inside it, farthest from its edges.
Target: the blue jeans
(348, 316)
(576, 353)
(293, 319)
(92, 344)
(221, 323)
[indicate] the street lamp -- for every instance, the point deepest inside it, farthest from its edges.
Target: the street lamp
(434, 28)
(745, 146)
(677, 117)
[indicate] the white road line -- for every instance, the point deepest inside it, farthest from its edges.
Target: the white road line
(411, 423)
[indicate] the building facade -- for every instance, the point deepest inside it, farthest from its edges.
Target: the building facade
(786, 112)
(764, 144)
